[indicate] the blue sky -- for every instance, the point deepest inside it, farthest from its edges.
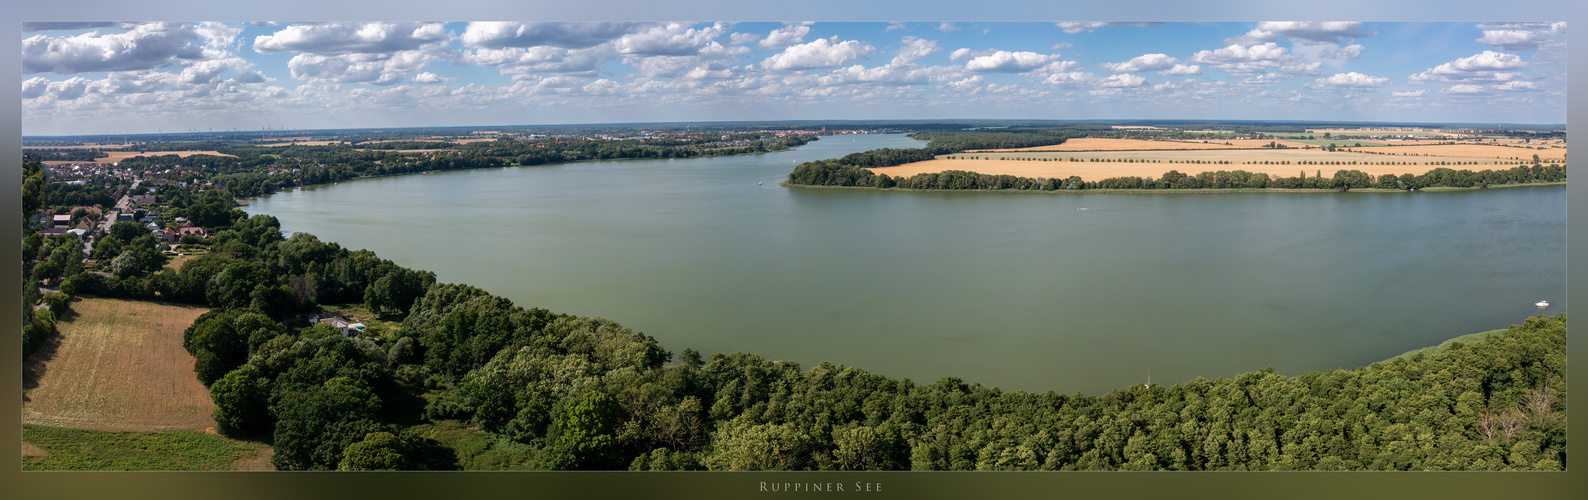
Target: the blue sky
(86, 78)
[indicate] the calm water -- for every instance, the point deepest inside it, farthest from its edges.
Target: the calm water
(1079, 292)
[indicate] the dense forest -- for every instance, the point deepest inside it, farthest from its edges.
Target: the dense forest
(553, 391)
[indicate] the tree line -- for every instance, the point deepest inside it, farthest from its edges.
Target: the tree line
(838, 173)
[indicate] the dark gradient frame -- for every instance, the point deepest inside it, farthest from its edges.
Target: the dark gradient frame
(1297, 485)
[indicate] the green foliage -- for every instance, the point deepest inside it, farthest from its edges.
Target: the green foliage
(77, 449)
(378, 451)
(220, 340)
(587, 424)
(741, 445)
(242, 403)
(315, 424)
(127, 231)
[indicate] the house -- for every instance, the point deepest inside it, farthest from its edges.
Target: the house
(87, 225)
(347, 326)
(124, 217)
(62, 220)
(143, 199)
(189, 228)
(167, 235)
(181, 220)
(153, 227)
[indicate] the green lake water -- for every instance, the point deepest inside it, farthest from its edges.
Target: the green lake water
(1036, 292)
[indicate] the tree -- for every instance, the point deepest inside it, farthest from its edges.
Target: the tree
(314, 425)
(741, 445)
(106, 249)
(587, 424)
(214, 208)
(378, 451)
(242, 403)
(126, 231)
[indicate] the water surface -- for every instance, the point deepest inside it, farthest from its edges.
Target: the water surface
(1063, 292)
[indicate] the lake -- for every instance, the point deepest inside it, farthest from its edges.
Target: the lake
(1063, 292)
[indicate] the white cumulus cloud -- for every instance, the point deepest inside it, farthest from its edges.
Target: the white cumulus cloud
(1244, 60)
(674, 39)
(1009, 62)
(1144, 62)
(1352, 79)
(1316, 32)
(1073, 78)
(1182, 69)
(1512, 40)
(1484, 66)
(498, 35)
(782, 38)
(141, 47)
(333, 39)
(822, 53)
(913, 48)
(1123, 80)
(1413, 93)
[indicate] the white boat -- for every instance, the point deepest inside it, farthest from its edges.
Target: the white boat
(1542, 303)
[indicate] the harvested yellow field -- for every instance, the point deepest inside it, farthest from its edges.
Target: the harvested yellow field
(1105, 144)
(1480, 151)
(1155, 163)
(1376, 131)
(299, 143)
(120, 365)
(117, 156)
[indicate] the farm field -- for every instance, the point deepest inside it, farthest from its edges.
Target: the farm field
(120, 366)
(1337, 142)
(1155, 163)
(1482, 151)
(116, 156)
(298, 143)
(1107, 144)
(1420, 132)
(55, 448)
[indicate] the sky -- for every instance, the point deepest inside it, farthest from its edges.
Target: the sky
(106, 78)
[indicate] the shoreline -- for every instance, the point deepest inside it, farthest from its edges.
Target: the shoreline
(1177, 191)
(302, 186)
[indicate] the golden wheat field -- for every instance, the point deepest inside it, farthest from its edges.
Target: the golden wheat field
(298, 143)
(1155, 163)
(117, 156)
(119, 365)
(1106, 144)
(1480, 151)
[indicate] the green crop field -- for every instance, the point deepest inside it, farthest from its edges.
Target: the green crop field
(57, 448)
